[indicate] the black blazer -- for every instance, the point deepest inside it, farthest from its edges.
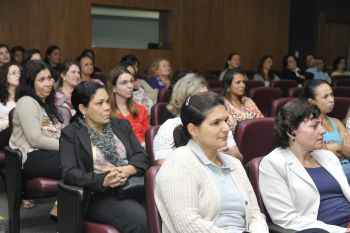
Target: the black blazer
(76, 159)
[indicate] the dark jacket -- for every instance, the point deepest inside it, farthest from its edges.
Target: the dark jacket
(76, 159)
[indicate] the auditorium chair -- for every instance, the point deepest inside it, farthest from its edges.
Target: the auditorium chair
(253, 174)
(341, 91)
(255, 137)
(341, 106)
(214, 83)
(149, 137)
(277, 104)
(210, 76)
(6, 134)
(217, 90)
(161, 95)
(284, 85)
(295, 92)
(154, 220)
(340, 81)
(18, 187)
(263, 97)
(155, 113)
(250, 84)
(71, 202)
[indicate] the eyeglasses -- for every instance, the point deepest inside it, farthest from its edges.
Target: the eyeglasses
(125, 82)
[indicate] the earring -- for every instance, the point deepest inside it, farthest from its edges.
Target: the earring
(84, 115)
(292, 140)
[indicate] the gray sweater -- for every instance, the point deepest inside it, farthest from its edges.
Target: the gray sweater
(27, 135)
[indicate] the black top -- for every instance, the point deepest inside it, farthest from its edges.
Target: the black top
(76, 159)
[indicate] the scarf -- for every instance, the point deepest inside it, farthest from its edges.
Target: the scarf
(105, 142)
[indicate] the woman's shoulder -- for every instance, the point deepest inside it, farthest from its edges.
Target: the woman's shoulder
(275, 157)
(28, 102)
(140, 108)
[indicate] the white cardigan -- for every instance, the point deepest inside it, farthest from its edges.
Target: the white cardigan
(289, 193)
(189, 202)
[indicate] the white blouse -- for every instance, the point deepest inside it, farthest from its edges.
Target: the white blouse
(4, 113)
(163, 143)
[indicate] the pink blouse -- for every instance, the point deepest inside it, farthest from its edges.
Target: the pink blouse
(248, 110)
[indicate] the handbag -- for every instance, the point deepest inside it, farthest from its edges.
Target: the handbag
(133, 188)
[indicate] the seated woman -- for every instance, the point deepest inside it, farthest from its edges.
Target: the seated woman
(120, 90)
(140, 95)
(100, 155)
(336, 138)
(163, 143)
(17, 54)
(37, 123)
(160, 73)
(290, 69)
(233, 62)
(53, 60)
(265, 72)
(69, 78)
(199, 189)
(31, 55)
(239, 107)
(301, 185)
(86, 65)
(4, 54)
(339, 67)
(9, 80)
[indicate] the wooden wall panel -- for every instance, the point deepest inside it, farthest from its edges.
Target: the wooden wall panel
(203, 32)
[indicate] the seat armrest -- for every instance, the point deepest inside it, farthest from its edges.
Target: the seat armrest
(70, 208)
(273, 228)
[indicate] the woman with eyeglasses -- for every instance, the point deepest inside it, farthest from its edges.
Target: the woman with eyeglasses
(120, 89)
(9, 80)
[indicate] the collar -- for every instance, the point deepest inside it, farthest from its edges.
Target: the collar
(195, 148)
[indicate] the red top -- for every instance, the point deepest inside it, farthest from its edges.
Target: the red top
(140, 124)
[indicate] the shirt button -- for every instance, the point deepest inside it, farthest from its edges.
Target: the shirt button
(246, 202)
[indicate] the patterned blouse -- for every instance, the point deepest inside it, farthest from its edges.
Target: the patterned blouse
(100, 163)
(248, 110)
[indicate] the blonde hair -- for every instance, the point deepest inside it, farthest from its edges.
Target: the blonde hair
(155, 65)
(111, 82)
(184, 88)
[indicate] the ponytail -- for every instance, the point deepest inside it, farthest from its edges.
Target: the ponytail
(181, 136)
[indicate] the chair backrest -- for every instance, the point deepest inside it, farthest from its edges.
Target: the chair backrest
(253, 174)
(216, 89)
(149, 136)
(277, 104)
(340, 81)
(250, 84)
(285, 85)
(341, 91)
(161, 95)
(154, 219)
(255, 137)
(155, 113)
(295, 91)
(341, 106)
(213, 83)
(263, 97)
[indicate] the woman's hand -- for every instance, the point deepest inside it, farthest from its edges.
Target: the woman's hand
(114, 179)
(128, 170)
